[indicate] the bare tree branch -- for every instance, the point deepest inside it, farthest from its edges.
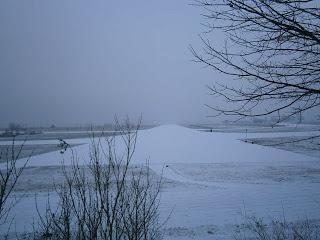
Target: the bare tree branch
(271, 53)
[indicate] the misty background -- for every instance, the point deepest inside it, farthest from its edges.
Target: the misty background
(79, 62)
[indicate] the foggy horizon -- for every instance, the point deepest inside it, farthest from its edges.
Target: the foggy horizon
(77, 63)
(74, 62)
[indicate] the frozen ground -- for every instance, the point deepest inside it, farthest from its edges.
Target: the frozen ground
(308, 145)
(212, 177)
(26, 150)
(54, 135)
(258, 128)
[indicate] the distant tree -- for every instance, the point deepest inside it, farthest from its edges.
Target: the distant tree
(271, 53)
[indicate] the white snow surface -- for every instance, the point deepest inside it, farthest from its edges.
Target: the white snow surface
(217, 176)
(176, 144)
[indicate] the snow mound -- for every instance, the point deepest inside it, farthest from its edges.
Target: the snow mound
(177, 144)
(170, 129)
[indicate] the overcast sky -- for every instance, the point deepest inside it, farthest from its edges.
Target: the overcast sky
(77, 62)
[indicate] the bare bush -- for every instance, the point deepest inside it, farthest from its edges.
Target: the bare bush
(278, 229)
(9, 175)
(107, 198)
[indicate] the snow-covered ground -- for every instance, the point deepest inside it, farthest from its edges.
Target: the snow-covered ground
(211, 178)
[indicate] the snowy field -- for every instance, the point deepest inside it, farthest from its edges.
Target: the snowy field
(211, 179)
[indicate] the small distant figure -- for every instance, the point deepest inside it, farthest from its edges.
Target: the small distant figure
(63, 145)
(211, 130)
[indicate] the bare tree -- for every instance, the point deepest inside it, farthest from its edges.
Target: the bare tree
(107, 198)
(271, 55)
(9, 175)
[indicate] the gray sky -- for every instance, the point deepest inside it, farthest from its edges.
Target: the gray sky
(76, 62)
